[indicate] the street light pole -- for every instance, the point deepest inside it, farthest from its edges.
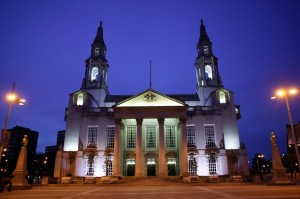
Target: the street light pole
(6, 124)
(293, 131)
(12, 98)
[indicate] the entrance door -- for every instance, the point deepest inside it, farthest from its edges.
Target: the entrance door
(171, 167)
(151, 167)
(130, 167)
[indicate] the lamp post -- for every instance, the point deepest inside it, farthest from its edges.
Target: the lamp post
(287, 93)
(12, 98)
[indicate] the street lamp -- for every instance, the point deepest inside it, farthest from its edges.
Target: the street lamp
(11, 98)
(287, 93)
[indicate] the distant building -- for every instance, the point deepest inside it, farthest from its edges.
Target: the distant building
(290, 143)
(14, 144)
(50, 152)
(50, 149)
(150, 133)
(60, 138)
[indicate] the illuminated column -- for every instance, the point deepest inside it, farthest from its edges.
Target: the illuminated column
(138, 153)
(162, 150)
(184, 151)
(116, 169)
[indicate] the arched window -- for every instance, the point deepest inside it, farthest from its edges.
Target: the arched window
(94, 75)
(208, 72)
(79, 99)
(222, 97)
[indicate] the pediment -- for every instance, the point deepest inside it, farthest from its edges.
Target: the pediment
(150, 98)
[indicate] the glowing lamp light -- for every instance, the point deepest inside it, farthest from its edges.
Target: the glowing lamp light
(285, 92)
(21, 102)
(281, 93)
(11, 97)
(293, 91)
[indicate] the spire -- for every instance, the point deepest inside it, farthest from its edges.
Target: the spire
(206, 63)
(203, 35)
(99, 36)
(98, 46)
(204, 45)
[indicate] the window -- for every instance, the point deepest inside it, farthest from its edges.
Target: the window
(192, 166)
(109, 168)
(79, 99)
(94, 75)
(208, 72)
(205, 48)
(110, 137)
(97, 51)
(212, 166)
(191, 136)
(90, 169)
(92, 136)
(170, 136)
(222, 97)
(131, 137)
(151, 136)
(209, 135)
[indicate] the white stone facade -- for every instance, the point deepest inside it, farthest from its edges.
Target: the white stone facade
(151, 134)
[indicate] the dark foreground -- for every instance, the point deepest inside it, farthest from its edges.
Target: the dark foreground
(231, 191)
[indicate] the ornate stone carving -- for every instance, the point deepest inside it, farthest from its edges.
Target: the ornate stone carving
(150, 97)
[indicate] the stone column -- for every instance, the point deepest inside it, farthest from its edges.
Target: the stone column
(20, 173)
(138, 152)
(279, 176)
(184, 151)
(162, 150)
(116, 169)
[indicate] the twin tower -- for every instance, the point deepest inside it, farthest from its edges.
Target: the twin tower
(150, 133)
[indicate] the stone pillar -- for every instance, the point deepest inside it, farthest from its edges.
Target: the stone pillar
(278, 177)
(20, 173)
(184, 151)
(138, 153)
(162, 150)
(116, 169)
(58, 163)
(79, 163)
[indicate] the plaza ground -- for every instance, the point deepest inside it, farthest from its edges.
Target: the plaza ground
(161, 191)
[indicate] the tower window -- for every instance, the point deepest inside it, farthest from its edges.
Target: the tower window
(79, 99)
(97, 51)
(222, 97)
(94, 75)
(110, 137)
(208, 72)
(205, 49)
(191, 136)
(92, 136)
(209, 135)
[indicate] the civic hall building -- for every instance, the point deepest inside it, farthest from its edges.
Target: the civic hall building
(151, 133)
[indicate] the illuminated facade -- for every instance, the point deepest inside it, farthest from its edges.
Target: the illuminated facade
(152, 134)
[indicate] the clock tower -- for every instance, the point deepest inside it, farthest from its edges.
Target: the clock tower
(206, 65)
(96, 70)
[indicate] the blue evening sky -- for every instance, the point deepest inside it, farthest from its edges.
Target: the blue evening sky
(44, 44)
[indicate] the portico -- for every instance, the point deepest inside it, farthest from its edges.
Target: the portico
(150, 136)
